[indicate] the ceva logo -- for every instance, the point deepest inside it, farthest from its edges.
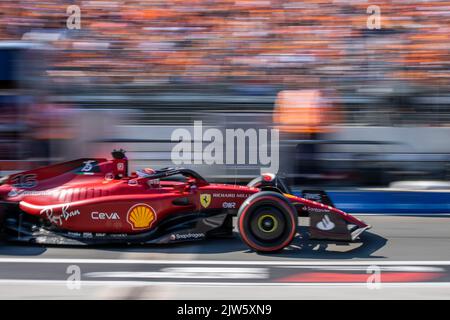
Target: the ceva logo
(104, 216)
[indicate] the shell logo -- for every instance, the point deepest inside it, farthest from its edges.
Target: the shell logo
(141, 216)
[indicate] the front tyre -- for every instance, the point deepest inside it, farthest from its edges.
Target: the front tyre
(267, 221)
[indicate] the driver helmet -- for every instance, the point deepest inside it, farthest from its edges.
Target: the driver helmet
(145, 171)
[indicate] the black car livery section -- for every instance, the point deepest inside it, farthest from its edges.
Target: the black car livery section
(325, 224)
(178, 228)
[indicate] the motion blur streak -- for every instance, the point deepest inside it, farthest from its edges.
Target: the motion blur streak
(355, 105)
(362, 108)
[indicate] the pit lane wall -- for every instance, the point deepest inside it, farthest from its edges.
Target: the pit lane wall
(417, 150)
(404, 202)
(413, 148)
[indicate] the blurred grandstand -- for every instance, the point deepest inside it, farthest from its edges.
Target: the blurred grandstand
(172, 62)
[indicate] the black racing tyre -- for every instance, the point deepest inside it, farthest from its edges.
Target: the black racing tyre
(267, 221)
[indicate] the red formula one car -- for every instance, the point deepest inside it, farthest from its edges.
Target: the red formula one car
(95, 201)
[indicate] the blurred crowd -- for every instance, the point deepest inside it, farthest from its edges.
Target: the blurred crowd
(288, 42)
(313, 64)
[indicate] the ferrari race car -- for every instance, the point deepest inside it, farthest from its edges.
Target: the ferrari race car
(96, 201)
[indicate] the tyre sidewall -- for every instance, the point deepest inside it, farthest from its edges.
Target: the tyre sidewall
(267, 199)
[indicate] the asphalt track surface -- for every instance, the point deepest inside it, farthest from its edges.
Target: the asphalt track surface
(401, 257)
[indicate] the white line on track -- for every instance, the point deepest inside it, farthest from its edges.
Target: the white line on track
(224, 262)
(220, 284)
(444, 214)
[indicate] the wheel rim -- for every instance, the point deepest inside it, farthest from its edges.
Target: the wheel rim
(267, 223)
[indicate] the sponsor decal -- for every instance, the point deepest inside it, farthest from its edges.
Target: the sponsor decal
(16, 192)
(24, 181)
(318, 210)
(141, 216)
(325, 224)
(100, 235)
(86, 235)
(65, 215)
(205, 200)
(231, 195)
(312, 196)
(13, 193)
(88, 166)
(74, 234)
(118, 235)
(95, 215)
(229, 205)
(153, 183)
(186, 236)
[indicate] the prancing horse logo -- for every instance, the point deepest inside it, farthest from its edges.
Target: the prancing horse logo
(205, 200)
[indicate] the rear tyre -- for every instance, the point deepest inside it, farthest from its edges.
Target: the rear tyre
(267, 222)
